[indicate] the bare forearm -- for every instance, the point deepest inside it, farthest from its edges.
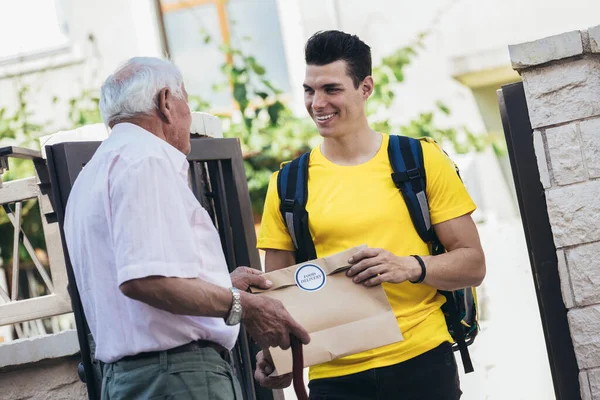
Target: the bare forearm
(464, 263)
(180, 296)
(456, 269)
(278, 259)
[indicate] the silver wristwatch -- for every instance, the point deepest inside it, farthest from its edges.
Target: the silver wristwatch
(235, 313)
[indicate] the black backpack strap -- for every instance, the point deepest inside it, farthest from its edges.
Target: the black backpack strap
(459, 336)
(292, 187)
(406, 158)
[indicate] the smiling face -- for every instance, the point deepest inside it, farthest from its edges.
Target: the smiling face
(332, 100)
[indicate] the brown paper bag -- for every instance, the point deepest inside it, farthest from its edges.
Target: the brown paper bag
(342, 317)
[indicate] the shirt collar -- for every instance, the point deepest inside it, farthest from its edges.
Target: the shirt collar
(136, 132)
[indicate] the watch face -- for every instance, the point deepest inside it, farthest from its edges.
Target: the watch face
(235, 314)
(235, 318)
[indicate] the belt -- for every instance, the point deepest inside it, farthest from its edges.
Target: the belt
(198, 344)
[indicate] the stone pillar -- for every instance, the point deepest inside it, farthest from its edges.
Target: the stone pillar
(561, 78)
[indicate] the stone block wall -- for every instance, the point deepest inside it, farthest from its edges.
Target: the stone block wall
(561, 78)
(53, 379)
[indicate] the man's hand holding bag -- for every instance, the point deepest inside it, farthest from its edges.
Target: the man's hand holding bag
(342, 317)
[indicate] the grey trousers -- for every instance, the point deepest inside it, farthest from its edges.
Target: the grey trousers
(197, 374)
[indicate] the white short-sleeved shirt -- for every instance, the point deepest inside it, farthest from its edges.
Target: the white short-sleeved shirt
(131, 215)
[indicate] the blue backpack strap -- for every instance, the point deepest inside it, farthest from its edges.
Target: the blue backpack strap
(292, 187)
(406, 158)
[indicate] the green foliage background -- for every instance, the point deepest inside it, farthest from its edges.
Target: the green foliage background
(269, 132)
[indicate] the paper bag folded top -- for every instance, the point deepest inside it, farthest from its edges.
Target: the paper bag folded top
(342, 317)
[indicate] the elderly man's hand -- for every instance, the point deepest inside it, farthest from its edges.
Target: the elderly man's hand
(269, 323)
(264, 368)
(244, 277)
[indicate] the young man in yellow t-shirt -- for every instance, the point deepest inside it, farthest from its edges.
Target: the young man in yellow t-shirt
(352, 200)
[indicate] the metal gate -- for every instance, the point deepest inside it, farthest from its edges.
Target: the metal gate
(538, 234)
(218, 181)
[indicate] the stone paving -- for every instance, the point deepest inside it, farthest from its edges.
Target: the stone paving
(509, 354)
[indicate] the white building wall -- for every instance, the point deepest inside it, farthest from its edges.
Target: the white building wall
(121, 29)
(460, 28)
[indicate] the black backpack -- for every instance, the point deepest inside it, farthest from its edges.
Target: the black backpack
(406, 157)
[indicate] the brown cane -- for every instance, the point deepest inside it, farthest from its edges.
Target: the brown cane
(298, 368)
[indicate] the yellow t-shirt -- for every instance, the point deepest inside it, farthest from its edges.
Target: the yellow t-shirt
(353, 205)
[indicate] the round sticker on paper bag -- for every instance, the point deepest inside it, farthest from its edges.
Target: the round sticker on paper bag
(310, 277)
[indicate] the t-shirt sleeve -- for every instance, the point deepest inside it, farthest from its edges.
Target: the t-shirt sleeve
(273, 231)
(151, 232)
(448, 198)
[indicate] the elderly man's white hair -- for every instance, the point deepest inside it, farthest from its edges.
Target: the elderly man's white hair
(133, 88)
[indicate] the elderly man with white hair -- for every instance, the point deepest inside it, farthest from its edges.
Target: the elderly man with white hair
(160, 303)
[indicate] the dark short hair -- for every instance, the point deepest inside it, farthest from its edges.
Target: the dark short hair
(325, 47)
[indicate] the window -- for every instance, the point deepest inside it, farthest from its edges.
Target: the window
(225, 21)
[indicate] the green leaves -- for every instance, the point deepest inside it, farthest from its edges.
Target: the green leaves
(274, 111)
(388, 77)
(84, 110)
(240, 95)
(206, 38)
(270, 133)
(256, 67)
(16, 125)
(462, 139)
(442, 107)
(271, 87)
(196, 103)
